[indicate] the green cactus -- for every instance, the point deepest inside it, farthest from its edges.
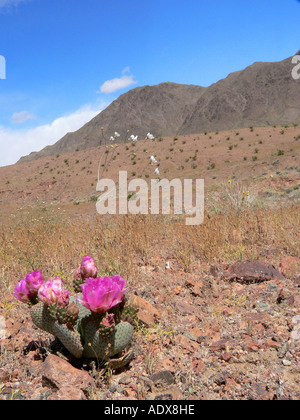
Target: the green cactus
(81, 331)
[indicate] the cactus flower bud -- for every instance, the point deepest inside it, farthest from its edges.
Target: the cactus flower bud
(88, 267)
(27, 289)
(102, 293)
(109, 320)
(63, 299)
(51, 293)
(77, 274)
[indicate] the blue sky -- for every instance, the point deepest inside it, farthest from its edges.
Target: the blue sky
(67, 60)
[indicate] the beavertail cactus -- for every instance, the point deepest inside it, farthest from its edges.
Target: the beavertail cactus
(94, 324)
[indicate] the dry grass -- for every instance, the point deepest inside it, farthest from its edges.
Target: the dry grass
(55, 244)
(252, 216)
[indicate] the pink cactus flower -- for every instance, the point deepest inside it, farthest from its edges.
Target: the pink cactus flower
(52, 292)
(102, 293)
(34, 281)
(22, 292)
(27, 289)
(88, 267)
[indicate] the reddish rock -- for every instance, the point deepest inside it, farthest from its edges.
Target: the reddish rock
(197, 290)
(195, 331)
(189, 283)
(187, 345)
(67, 393)
(231, 385)
(225, 356)
(190, 321)
(251, 271)
(219, 345)
(271, 343)
(130, 393)
(185, 308)
(257, 316)
(177, 290)
(147, 313)
(259, 392)
(58, 373)
(252, 345)
(167, 364)
(198, 366)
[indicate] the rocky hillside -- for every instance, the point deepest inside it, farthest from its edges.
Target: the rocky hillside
(262, 94)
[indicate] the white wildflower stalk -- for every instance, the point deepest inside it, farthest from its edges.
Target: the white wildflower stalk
(111, 147)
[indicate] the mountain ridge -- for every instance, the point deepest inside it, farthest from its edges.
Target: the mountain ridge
(263, 93)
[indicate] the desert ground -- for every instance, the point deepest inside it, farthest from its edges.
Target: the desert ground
(218, 303)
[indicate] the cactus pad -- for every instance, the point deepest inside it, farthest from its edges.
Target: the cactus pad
(85, 337)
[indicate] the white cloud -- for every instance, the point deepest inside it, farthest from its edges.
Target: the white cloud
(126, 70)
(17, 143)
(118, 83)
(21, 117)
(4, 3)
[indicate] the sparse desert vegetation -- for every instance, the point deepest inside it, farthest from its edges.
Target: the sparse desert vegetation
(216, 337)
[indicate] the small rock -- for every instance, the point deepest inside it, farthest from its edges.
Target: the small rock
(251, 271)
(260, 392)
(198, 366)
(219, 345)
(125, 380)
(185, 308)
(177, 290)
(231, 385)
(147, 313)
(187, 345)
(162, 378)
(58, 373)
(221, 378)
(130, 393)
(225, 356)
(197, 290)
(190, 336)
(144, 383)
(271, 343)
(172, 393)
(68, 393)
(41, 394)
(163, 397)
(167, 364)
